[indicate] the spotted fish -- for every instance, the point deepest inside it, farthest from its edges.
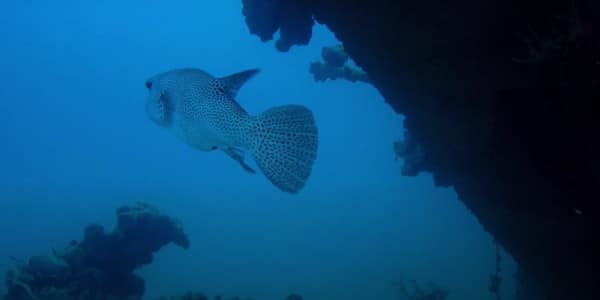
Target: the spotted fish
(202, 111)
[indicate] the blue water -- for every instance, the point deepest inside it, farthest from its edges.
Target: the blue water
(76, 144)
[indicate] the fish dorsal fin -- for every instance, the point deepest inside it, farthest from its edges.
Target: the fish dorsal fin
(234, 82)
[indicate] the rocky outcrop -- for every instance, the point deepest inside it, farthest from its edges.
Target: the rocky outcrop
(499, 101)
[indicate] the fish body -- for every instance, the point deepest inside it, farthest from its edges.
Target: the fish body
(202, 111)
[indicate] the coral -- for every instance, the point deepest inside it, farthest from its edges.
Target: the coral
(186, 296)
(495, 278)
(197, 296)
(101, 266)
(294, 297)
(413, 291)
(265, 17)
(141, 230)
(334, 56)
(334, 66)
(412, 153)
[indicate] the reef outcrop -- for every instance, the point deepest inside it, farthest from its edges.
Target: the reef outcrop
(499, 99)
(102, 265)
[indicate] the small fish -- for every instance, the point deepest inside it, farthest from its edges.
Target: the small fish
(202, 111)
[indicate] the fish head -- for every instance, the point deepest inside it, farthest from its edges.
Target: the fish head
(158, 105)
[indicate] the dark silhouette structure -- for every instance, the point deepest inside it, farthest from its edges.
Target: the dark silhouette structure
(499, 98)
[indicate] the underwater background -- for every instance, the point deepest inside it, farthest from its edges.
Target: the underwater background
(77, 144)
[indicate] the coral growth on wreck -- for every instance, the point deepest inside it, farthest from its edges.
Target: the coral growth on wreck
(412, 153)
(334, 66)
(293, 21)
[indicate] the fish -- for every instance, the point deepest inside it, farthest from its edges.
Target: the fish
(202, 111)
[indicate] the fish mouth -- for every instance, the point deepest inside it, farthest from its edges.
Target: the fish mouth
(160, 110)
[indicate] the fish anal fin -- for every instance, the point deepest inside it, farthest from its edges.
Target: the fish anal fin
(238, 156)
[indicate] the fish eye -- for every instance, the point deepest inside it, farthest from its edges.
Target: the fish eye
(149, 84)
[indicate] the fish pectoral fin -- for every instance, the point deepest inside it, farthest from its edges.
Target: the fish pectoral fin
(238, 155)
(235, 81)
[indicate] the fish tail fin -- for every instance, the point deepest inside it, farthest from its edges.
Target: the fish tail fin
(284, 145)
